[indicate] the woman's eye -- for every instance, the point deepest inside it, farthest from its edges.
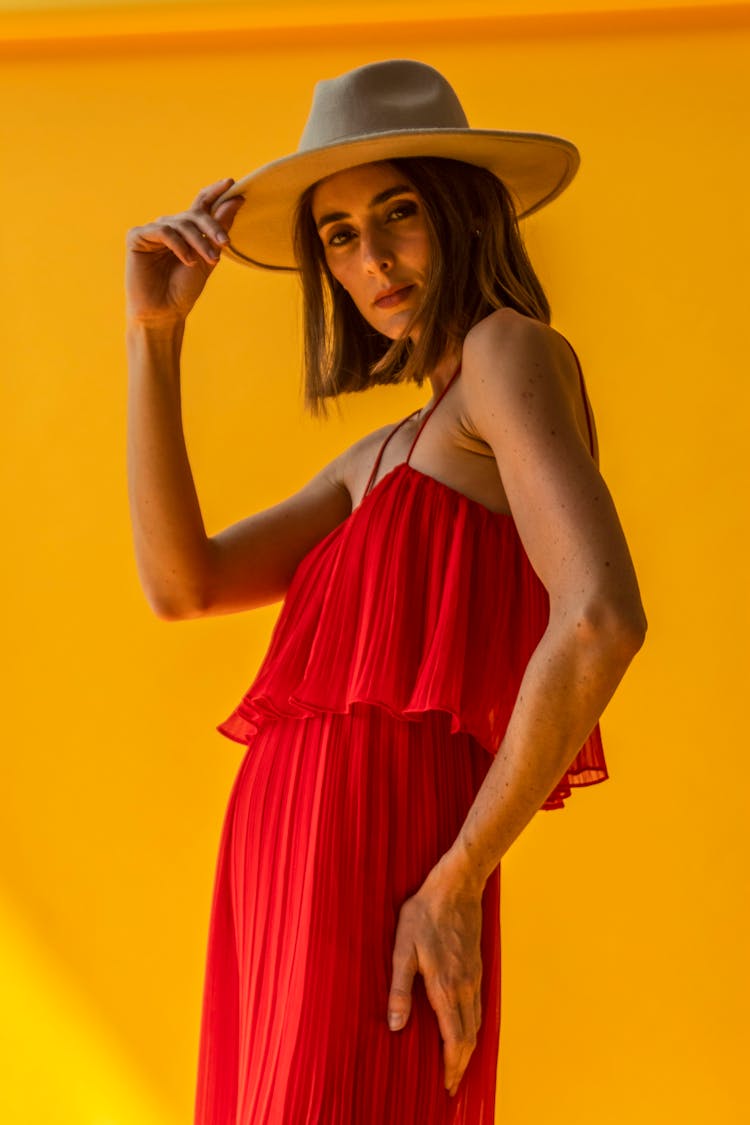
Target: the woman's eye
(340, 237)
(343, 235)
(403, 210)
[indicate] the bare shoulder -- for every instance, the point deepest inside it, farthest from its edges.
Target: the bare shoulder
(515, 366)
(253, 561)
(522, 393)
(508, 344)
(344, 468)
(365, 448)
(355, 463)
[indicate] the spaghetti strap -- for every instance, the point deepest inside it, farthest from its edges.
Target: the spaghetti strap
(382, 447)
(388, 437)
(583, 396)
(427, 416)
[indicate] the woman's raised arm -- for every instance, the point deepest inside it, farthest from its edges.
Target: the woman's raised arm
(184, 573)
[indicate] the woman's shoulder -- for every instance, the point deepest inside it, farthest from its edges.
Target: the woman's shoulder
(366, 447)
(356, 461)
(516, 367)
(507, 341)
(508, 329)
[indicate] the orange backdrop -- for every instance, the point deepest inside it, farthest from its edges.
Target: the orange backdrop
(625, 916)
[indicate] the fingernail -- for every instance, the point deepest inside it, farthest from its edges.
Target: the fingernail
(395, 1019)
(222, 236)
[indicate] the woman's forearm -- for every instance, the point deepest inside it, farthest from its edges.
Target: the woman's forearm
(171, 546)
(568, 682)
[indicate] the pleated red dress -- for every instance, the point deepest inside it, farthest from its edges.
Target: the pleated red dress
(390, 677)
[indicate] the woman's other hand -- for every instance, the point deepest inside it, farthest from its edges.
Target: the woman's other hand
(169, 261)
(439, 935)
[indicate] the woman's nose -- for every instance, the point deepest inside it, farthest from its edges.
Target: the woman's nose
(377, 255)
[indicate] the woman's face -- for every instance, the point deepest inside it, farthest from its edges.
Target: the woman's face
(372, 226)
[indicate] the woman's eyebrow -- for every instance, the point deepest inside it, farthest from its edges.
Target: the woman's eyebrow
(381, 197)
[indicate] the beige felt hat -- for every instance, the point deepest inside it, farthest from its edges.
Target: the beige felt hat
(377, 112)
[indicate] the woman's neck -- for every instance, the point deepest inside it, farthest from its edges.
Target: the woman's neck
(443, 372)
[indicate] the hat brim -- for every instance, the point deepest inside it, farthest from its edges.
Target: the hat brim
(534, 167)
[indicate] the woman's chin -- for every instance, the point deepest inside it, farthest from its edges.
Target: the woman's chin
(400, 326)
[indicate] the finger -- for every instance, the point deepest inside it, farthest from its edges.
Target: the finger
(405, 965)
(208, 229)
(448, 1011)
(455, 1010)
(155, 236)
(196, 237)
(477, 997)
(216, 225)
(226, 212)
(478, 1009)
(470, 1029)
(208, 195)
(179, 246)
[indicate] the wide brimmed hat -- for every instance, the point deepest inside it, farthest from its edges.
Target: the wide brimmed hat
(378, 112)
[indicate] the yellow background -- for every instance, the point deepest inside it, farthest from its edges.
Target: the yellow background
(624, 917)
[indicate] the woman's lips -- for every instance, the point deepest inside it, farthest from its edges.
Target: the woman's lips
(394, 297)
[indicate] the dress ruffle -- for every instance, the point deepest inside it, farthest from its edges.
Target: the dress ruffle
(421, 600)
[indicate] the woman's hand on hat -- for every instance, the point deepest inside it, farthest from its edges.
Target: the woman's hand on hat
(170, 260)
(439, 935)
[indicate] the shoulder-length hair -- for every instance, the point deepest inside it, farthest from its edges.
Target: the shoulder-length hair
(478, 263)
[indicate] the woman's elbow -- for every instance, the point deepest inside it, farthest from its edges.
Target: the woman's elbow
(630, 632)
(608, 623)
(170, 609)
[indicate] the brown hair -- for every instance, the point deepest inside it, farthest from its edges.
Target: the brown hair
(478, 263)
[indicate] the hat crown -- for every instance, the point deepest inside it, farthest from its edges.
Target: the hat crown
(398, 95)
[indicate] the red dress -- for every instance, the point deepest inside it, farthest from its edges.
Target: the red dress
(390, 677)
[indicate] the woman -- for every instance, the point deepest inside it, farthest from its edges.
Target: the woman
(460, 604)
